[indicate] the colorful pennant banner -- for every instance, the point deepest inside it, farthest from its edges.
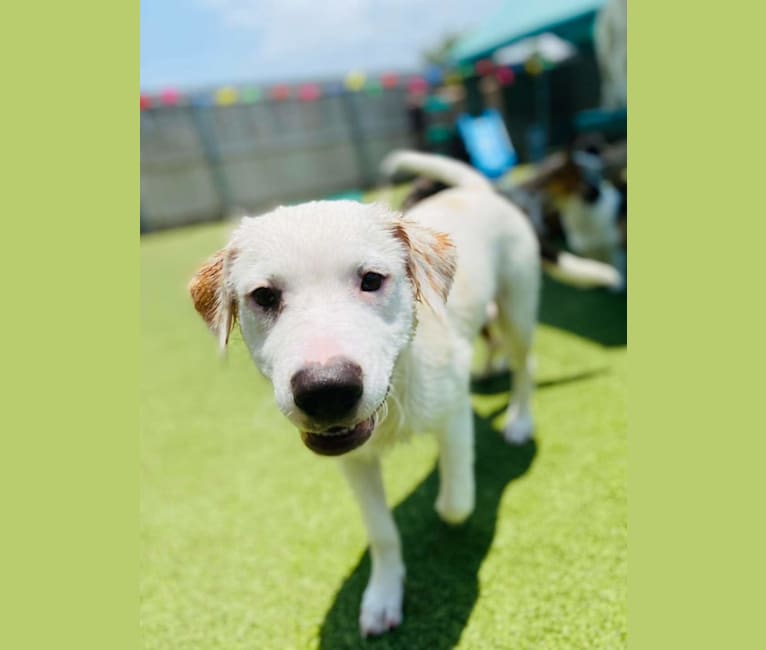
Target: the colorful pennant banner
(389, 81)
(279, 93)
(484, 67)
(534, 66)
(226, 96)
(334, 89)
(170, 97)
(417, 86)
(505, 76)
(309, 92)
(250, 95)
(355, 81)
(434, 76)
(373, 88)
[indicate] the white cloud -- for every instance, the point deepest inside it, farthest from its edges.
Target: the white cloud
(315, 37)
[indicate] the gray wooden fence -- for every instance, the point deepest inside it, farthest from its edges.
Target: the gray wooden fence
(203, 162)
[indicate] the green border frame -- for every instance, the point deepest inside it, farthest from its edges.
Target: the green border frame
(71, 313)
(695, 430)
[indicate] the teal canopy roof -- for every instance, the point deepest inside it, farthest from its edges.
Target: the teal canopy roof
(517, 19)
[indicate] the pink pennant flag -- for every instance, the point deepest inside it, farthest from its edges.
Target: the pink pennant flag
(309, 92)
(170, 97)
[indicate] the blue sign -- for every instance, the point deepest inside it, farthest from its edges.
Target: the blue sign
(487, 142)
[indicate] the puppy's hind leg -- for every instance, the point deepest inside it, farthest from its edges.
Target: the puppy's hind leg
(517, 323)
(381, 608)
(496, 361)
(456, 476)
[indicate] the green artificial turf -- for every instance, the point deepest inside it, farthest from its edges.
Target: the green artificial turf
(248, 541)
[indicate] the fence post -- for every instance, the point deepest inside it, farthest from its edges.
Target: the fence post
(357, 140)
(212, 154)
(142, 225)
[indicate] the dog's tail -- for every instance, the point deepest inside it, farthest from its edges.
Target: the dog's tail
(563, 266)
(578, 271)
(439, 168)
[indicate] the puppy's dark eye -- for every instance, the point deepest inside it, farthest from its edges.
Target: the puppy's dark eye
(266, 297)
(371, 281)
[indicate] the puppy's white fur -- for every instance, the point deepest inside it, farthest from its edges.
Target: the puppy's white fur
(413, 345)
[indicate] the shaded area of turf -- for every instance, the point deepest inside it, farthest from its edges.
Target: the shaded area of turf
(443, 562)
(249, 541)
(596, 315)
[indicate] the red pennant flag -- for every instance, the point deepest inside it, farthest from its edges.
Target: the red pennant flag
(280, 93)
(484, 67)
(389, 80)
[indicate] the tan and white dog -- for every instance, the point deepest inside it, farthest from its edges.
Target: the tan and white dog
(592, 210)
(364, 319)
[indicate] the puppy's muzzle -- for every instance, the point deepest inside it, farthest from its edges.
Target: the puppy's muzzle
(328, 393)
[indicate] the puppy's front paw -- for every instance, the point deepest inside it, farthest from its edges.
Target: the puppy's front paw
(381, 606)
(519, 428)
(455, 508)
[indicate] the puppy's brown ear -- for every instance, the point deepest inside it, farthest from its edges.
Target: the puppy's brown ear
(212, 299)
(431, 262)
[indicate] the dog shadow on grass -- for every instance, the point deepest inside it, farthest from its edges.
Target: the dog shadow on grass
(442, 561)
(596, 315)
(498, 382)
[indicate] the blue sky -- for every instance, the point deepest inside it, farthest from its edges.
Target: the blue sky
(195, 43)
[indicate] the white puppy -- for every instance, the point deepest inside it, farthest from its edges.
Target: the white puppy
(364, 320)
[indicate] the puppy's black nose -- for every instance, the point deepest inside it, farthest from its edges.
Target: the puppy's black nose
(328, 392)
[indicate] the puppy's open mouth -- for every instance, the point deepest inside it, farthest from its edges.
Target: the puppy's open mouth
(337, 440)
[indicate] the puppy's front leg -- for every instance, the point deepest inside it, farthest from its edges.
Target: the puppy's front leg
(456, 477)
(382, 601)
